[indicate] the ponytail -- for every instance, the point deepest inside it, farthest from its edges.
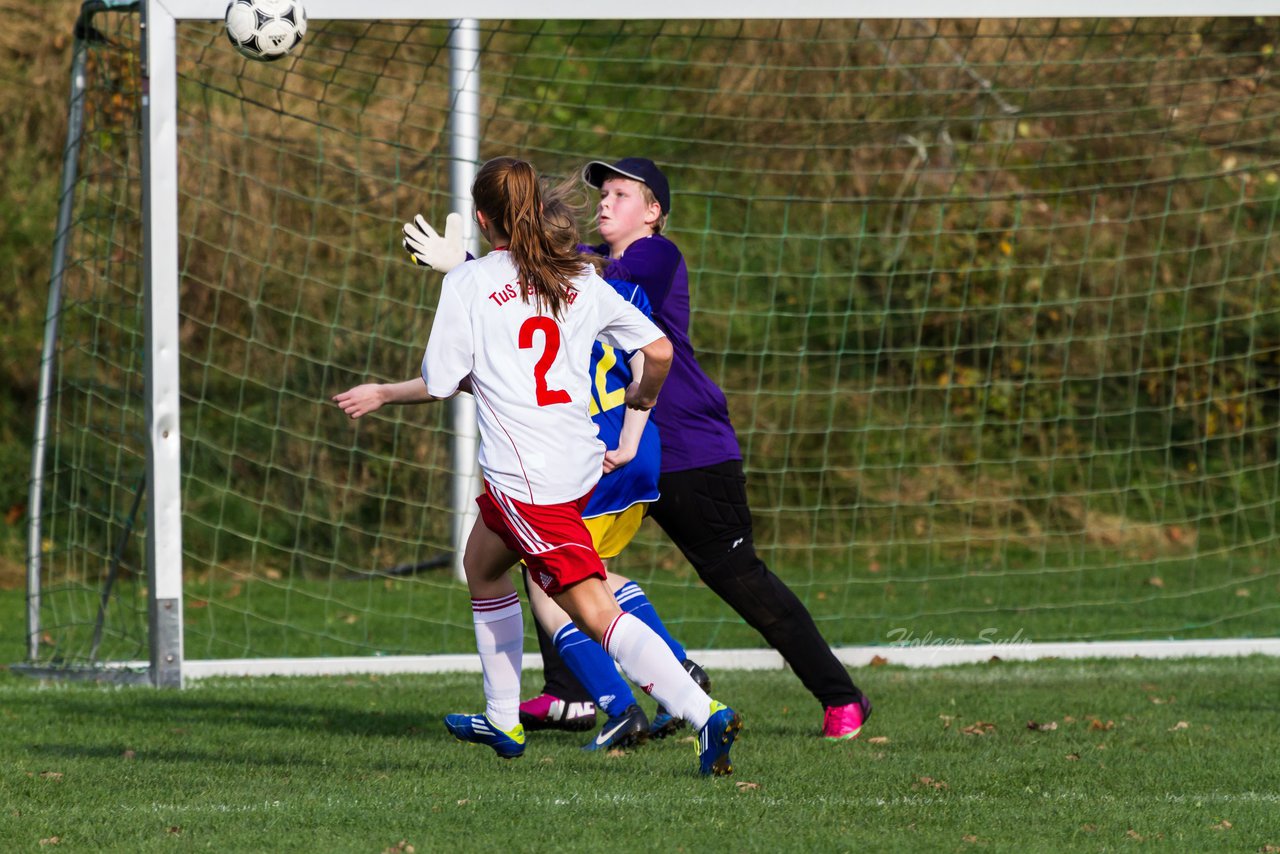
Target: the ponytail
(507, 192)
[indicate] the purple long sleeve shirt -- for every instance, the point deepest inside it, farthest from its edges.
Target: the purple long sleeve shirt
(692, 415)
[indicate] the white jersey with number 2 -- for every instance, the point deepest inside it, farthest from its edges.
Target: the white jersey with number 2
(529, 373)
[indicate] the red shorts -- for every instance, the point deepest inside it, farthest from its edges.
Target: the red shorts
(551, 539)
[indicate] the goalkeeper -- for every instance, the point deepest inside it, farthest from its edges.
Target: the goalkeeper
(703, 505)
(613, 516)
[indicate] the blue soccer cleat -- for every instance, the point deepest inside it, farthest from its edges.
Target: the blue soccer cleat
(478, 729)
(715, 739)
(629, 729)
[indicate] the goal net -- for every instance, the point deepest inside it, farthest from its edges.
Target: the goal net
(994, 302)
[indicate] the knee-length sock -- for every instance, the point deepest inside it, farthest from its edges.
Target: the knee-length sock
(499, 626)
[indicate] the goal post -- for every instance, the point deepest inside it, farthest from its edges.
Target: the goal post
(992, 300)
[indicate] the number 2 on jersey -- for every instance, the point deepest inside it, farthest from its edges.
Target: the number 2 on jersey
(550, 347)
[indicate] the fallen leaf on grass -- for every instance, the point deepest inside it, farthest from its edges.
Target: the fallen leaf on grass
(878, 739)
(1073, 757)
(1160, 701)
(128, 754)
(1155, 581)
(930, 783)
(1269, 849)
(970, 838)
(1179, 725)
(1223, 825)
(1098, 724)
(979, 728)
(51, 775)
(52, 840)
(174, 829)
(744, 786)
(401, 847)
(1038, 727)
(946, 720)
(878, 661)
(464, 802)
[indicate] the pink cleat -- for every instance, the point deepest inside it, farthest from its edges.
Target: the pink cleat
(547, 711)
(840, 723)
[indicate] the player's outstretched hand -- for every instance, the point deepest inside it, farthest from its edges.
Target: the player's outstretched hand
(635, 400)
(360, 400)
(429, 249)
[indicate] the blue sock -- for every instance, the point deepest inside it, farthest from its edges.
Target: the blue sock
(631, 599)
(594, 669)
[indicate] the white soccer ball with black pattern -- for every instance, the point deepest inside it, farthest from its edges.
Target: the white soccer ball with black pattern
(265, 30)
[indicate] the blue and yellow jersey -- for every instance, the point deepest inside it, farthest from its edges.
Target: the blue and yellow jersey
(637, 481)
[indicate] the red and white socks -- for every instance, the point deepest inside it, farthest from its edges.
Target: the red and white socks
(648, 662)
(499, 627)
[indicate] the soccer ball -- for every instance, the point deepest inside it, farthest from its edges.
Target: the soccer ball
(265, 30)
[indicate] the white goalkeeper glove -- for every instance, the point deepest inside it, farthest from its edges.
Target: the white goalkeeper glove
(429, 249)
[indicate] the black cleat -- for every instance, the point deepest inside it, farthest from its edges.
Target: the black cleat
(664, 723)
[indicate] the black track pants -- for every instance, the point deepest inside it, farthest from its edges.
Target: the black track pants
(704, 512)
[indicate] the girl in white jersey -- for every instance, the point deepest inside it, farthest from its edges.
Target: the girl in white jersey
(515, 328)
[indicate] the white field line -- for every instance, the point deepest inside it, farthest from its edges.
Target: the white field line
(912, 652)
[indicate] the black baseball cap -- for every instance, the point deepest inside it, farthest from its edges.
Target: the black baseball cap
(639, 169)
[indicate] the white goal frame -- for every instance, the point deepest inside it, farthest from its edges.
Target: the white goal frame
(167, 666)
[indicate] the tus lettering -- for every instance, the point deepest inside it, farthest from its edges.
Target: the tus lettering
(504, 295)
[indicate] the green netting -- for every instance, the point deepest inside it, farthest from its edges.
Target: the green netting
(993, 302)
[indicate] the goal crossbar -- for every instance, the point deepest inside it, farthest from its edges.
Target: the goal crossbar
(390, 10)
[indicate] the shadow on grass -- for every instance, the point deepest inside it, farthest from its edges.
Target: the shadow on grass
(167, 711)
(284, 758)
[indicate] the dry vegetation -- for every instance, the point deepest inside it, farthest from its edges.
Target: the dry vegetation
(890, 224)
(35, 55)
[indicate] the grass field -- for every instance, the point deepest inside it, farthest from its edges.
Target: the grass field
(1128, 755)
(232, 617)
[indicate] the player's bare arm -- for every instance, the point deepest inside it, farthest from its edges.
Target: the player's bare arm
(370, 397)
(643, 394)
(633, 422)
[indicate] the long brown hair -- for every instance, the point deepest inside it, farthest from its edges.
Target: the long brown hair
(507, 192)
(564, 206)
